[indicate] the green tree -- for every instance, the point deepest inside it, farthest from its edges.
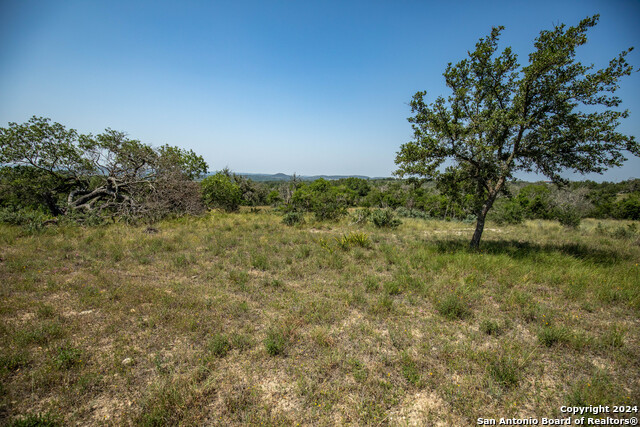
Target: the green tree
(502, 117)
(65, 172)
(221, 191)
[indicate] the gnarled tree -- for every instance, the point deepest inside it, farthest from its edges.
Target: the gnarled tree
(104, 174)
(502, 118)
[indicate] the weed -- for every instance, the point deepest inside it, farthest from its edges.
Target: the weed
(219, 345)
(490, 327)
(67, 357)
(259, 261)
(275, 342)
(410, 369)
(505, 371)
(359, 239)
(453, 307)
(40, 334)
(384, 305)
(240, 278)
(358, 370)
(371, 284)
(241, 342)
(612, 338)
(293, 218)
(392, 288)
(551, 335)
(36, 420)
(14, 361)
(596, 390)
(240, 398)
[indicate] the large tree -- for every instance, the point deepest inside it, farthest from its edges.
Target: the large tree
(43, 163)
(548, 116)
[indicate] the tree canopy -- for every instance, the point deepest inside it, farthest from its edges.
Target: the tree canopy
(550, 115)
(46, 165)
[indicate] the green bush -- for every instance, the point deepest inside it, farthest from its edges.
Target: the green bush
(220, 191)
(361, 216)
(326, 201)
(568, 216)
(293, 218)
(384, 218)
(412, 213)
(507, 211)
(31, 219)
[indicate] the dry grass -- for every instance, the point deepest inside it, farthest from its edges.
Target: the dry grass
(239, 319)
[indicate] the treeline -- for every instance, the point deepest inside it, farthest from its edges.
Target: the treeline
(329, 200)
(48, 173)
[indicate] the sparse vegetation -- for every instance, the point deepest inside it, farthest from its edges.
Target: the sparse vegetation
(218, 327)
(198, 322)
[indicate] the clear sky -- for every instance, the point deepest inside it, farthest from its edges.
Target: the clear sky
(312, 87)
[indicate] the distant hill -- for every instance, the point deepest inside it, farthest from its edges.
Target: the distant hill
(261, 177)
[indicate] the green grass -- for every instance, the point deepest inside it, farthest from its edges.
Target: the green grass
(239, 319)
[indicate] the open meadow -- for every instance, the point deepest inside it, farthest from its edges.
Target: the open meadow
(236, 318)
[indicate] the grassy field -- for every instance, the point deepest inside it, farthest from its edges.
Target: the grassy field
(238, 319)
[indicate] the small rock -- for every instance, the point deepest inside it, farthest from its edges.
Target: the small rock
(128, 361)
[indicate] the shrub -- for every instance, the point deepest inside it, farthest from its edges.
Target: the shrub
(293, 218)
(361, 216)
(384, 218)
(508, 212)
(327, 202)
(220, 191)
(412, 213)
(568, 216)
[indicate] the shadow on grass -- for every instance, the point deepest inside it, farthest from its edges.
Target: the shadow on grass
(527, 250)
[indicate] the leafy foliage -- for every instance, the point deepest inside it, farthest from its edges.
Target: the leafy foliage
(220, 191)
(502, 118)
(47, 167)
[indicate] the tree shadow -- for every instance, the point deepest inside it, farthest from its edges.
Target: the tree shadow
(526, 250)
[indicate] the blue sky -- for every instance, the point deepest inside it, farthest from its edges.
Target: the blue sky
(312, 87)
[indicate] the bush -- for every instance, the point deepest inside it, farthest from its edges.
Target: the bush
(385, 218)
(293, 218)
(507, 211)
(220, 191)
(30, 218)
(326, 201)
(568, 216)
(361, 216)
(412, 213)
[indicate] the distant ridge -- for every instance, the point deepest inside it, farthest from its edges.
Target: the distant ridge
(284, 177)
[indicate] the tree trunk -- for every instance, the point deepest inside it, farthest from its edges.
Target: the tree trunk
(475, 240)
